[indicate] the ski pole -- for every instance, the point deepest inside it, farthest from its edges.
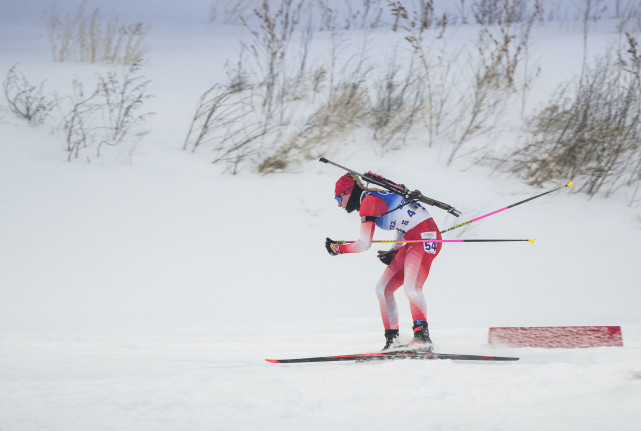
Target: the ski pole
(531, 241)
(570, 184)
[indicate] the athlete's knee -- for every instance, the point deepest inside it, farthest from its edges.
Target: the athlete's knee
(385, 292)
(412, 290)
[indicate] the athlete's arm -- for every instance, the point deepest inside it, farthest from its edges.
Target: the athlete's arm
(364, 241)
(371, 207)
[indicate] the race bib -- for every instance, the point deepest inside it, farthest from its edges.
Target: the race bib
(430, 247)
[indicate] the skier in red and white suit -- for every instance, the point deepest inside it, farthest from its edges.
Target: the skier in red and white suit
(408, 265)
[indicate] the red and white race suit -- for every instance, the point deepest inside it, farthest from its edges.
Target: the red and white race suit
(411, 265)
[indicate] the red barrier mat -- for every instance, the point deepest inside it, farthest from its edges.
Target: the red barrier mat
(551, 337)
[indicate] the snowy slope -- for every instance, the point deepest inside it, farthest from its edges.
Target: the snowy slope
(147, 296)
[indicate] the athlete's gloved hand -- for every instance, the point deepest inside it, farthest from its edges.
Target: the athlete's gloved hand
(386, 256)
(333, 247)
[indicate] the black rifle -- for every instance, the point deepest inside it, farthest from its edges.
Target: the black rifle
(414, 195)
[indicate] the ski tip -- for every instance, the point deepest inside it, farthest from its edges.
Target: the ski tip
(531, 241)
(570, 184)
(272, 361)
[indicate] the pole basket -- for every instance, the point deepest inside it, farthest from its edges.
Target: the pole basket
(557, 337)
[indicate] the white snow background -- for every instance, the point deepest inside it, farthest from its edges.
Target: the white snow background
(146, 296)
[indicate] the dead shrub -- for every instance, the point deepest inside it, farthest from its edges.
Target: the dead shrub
(27, 101)
(590, 131)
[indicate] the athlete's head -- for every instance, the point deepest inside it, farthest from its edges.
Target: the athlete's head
(348, 193)
(344, 187)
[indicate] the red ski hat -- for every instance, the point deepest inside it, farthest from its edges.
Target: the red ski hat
(344, 184)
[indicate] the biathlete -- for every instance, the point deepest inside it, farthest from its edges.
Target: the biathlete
(407, 265)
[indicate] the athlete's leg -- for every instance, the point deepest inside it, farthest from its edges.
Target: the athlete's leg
(417, 268)
(389, 283)
(417, 265)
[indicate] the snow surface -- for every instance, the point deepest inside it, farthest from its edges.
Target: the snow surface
(147, 296)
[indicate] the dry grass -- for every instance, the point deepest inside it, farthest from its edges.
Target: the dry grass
(91, 37)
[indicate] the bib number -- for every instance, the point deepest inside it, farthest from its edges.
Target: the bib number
(430, 247)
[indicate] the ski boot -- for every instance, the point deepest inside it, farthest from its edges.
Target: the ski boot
(421, 336)
(391, 338)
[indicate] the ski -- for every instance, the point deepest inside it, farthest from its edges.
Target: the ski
(404, 354)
